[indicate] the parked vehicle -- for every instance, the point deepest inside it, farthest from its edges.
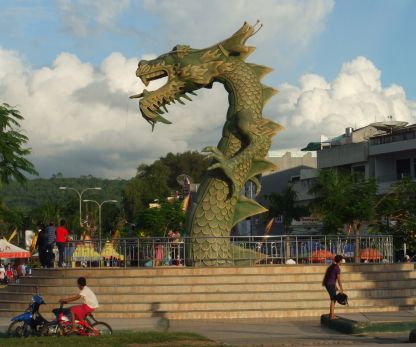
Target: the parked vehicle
(29, 322)
(62, 325)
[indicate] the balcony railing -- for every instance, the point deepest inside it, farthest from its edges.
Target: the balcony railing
(402, 136)
(247, 251)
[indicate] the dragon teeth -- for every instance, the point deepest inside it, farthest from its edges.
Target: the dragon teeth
(187, 97)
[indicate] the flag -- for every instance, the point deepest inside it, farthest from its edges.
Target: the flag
(14, 233)
(116, 235)
(269, 226)
(33, 245)
(185, 203)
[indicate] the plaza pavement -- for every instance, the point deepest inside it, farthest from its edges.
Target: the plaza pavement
(261, 332)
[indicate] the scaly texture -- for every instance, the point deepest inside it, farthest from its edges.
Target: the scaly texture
(239, 156)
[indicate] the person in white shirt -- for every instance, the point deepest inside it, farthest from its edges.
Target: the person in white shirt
(90, 302)
(2, 274)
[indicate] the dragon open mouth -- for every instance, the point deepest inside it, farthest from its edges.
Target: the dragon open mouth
(152, 102)
(146, 78)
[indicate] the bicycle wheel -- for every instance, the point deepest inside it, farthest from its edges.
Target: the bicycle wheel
(18, 329)
(102, 328)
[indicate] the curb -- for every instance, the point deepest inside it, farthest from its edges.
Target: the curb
(348, 326)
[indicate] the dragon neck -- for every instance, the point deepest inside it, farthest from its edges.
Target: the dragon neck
(244, 89)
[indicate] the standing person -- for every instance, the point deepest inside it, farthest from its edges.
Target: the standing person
(332, 277)
(90, 302)
(51, 237)
(2, 274)
(61, 239)
(42, 244)
(9, 274)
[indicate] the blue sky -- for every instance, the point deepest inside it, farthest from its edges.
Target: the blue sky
(332, 60)
(382, 31)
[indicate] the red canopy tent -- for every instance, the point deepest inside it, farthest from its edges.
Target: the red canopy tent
(371, 254)
(320, 256)
(8, 250)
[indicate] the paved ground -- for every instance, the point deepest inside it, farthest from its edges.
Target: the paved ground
(262, 332)
(402, 316)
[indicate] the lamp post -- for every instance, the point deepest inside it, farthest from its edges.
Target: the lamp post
(80, 197)
(99, 212)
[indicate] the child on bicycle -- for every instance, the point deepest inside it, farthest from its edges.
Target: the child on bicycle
(90, 302)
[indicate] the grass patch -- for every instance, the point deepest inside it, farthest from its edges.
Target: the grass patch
(127, 339)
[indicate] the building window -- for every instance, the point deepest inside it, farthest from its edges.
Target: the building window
(294, 179)
(402, 168)
(359, 172)
(414, 167)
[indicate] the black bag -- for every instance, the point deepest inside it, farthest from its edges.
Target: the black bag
(342, 299)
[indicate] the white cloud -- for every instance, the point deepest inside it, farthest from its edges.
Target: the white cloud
(289, 26)
(83, 17)
(354, 98)
(80, 120)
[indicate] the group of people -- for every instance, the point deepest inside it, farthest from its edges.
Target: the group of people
(11, 273)
(48, 237)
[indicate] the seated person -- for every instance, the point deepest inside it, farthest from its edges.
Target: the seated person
(90, 302)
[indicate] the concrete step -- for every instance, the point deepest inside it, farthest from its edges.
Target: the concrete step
(226, 279)
(196, 293)
(209, 288)
(190, 271)
(230, 314)
(233, 314)
(230, 305)
(219, 297)
(237, 314)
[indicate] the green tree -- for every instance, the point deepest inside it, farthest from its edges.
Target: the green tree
(190, 163)
(150, 184)
(396, 213)
(157, 221)
(344, 198)
(13, 163)
(284, 204)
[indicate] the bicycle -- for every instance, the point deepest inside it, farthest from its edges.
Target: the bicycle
(62, 325)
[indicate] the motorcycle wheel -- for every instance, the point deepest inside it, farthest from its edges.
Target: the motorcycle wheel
(103, 328)
(51, 330)
(18, 329)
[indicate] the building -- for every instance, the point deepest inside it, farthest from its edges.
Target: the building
(285, 160)
(289, 168)
(383, 150)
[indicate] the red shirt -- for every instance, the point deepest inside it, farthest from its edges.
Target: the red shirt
(61, 234)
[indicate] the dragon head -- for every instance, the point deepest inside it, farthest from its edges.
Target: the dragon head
(187, 70)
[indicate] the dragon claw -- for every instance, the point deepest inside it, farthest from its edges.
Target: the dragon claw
(222, 163)
(212, 149)
(214, 153)
(215, 166)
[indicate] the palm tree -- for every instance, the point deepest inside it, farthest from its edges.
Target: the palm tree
(13, 163)
(284, 204)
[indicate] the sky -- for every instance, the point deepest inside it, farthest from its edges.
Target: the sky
(69, 67)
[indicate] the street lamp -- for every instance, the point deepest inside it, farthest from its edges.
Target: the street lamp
(80, 197)
(99, 212)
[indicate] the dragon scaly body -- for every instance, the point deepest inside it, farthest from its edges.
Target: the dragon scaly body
(246, 139)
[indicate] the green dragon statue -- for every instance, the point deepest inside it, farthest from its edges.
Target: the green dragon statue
(246, 138)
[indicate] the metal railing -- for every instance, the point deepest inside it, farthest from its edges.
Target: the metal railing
(245, 251)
